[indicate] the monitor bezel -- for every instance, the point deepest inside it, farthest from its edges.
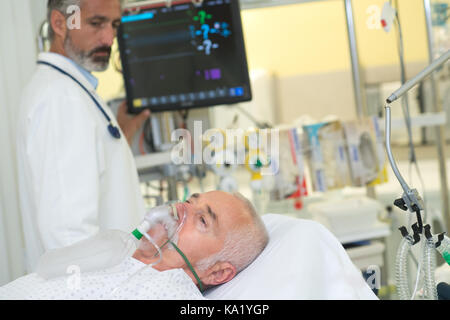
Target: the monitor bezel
(235, 12)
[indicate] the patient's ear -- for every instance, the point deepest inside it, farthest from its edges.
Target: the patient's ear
(219, 273)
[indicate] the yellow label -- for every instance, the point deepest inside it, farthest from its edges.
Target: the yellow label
(137, 103)
(381, 178)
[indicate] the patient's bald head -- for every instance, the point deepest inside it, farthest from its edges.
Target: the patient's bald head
(222, 235)
(246, 236)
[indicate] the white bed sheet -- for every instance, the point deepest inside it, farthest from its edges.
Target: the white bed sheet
(303, 260)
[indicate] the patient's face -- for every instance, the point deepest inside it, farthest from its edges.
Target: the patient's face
(210, 216)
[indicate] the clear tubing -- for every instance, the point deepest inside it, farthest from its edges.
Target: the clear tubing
(157, 248)
(429, 266)
(418, 273)
(169, 224)
(401, 270)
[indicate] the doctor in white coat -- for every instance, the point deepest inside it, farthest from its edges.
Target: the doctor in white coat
(75, 167)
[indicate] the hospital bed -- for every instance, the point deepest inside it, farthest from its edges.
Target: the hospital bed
(302, 260)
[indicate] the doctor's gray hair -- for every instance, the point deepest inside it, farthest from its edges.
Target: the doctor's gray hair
(243, 244)
(61, 6)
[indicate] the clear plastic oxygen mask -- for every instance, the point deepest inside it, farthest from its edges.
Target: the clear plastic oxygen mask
(170, 216)
(160, 228)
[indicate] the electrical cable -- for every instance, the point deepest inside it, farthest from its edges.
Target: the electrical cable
(411, 255)
(405, 99)
(405, 108)
(260, 125)
(412, 154)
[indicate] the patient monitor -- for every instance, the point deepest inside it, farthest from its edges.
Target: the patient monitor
(186, 55)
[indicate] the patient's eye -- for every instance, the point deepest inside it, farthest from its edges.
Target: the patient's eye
(201, 221)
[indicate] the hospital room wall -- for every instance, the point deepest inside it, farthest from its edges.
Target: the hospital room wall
(311, 38)
(306, 47)
(19, 21)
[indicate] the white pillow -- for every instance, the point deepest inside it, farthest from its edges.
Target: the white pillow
(302, 260)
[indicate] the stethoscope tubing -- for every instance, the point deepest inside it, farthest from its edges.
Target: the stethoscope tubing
(114, 131)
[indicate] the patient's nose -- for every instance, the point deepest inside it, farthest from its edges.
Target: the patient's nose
(182, 208)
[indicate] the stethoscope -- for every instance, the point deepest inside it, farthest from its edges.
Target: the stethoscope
(113, 130)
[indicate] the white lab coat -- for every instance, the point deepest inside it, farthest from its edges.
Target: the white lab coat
(74, 177)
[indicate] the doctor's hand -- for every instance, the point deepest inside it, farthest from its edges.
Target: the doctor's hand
(130, 124)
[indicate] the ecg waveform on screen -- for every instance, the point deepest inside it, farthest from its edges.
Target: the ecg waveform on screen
(204, 35)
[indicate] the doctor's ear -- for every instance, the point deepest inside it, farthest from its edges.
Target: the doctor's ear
(219, 273)
(58, 23)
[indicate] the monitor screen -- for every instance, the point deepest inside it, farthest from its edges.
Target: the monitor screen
(183, 56)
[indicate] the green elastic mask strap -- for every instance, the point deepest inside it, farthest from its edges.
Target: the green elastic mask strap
(200, 284)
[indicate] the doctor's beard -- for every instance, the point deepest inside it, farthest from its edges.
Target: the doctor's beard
(86, 59)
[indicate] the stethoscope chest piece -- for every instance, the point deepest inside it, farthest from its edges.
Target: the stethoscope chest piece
(114, 131)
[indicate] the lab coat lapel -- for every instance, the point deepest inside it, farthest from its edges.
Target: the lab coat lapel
(62, 63)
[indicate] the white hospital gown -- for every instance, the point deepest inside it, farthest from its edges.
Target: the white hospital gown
(149, 284)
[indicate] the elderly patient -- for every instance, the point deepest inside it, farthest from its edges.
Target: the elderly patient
(222, 235)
